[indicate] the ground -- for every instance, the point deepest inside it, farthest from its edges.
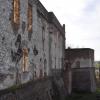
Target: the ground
(86, 96)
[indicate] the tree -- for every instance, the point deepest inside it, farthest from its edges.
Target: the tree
(97, 65)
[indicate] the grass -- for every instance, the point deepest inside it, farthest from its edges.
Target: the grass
(84, 96)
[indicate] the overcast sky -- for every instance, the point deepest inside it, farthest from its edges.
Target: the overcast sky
(82, 19)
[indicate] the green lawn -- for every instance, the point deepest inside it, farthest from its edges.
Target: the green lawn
(84, 96)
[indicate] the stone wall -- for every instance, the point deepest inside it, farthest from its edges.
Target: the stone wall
(44, 49)
(80, 57)
(83, 79)
(47, 89)
(67, 76)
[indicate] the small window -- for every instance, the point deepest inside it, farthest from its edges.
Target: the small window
(43, 33)
(43, 37)
(45, 68)
(16, 11)
(29, 18)
(41, 73)
(41, 69)
(45, 64)
(78, 64)
(35, 74)
(25, 60)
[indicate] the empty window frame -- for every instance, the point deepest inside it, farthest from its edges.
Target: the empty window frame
(29, 18)
(25, 65)
(78, 64)
(45, 68)
(16, 11)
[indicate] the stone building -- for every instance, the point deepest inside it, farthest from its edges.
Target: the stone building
(80, 57)
(80, 61)
(31, 42)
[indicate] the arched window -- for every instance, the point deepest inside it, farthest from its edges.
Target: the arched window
(16, 11)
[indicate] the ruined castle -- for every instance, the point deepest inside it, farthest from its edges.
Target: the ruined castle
(32, 42)
(34, 64)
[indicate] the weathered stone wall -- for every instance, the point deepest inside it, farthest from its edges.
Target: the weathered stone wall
(83, 79)
(14, 38)
(80, 57)
(67, 77)
(56, 43)
(47, 89)
(7, 67)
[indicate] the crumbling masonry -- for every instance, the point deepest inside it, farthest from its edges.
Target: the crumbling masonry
(31, 42)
